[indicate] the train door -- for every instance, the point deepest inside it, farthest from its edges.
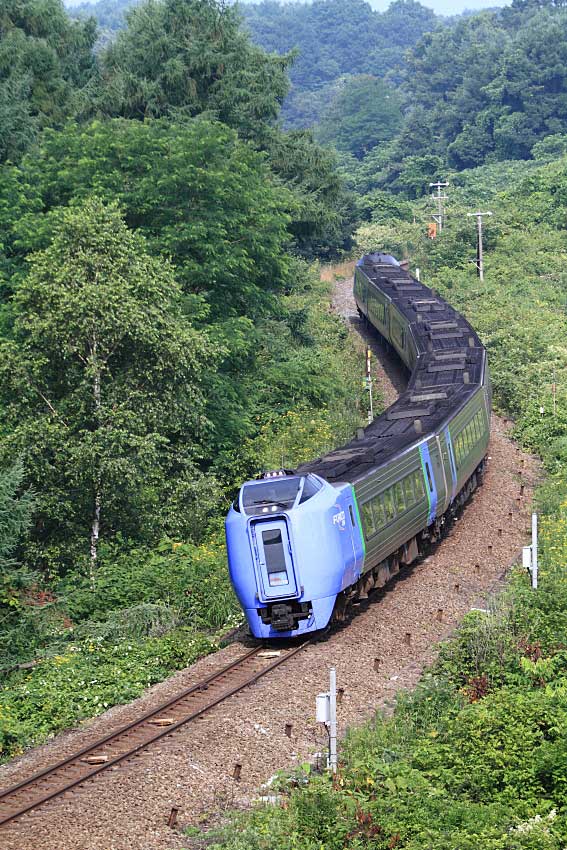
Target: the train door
(434, 476)
(439, 473)
(350, 535)
(274, 559)
(449, 466)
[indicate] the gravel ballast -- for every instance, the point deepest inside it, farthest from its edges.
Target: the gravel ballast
(127, 808)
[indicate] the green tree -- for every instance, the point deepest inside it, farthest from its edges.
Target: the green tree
(191, 56)
(101, 390)
(321, 208)
(45, 61)
(197, 193)
(364, 113)
(16, 508)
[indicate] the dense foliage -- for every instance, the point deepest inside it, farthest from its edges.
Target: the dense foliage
(160, 332)
(364, 113)
(334, 38)
(46, 61)
(191, 56)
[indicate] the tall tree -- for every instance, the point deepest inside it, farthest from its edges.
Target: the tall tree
(199, 195)
(46, 59)
(101, 389)
(191, 56)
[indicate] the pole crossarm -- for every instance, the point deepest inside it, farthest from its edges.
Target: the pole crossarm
(439, 215)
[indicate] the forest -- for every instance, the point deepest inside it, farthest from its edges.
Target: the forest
(172, 177)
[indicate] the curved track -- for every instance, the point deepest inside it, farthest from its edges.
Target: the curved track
(128, 740)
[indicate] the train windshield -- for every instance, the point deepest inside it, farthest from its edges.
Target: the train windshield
(278, 494)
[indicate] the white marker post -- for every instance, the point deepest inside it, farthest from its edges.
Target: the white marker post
(534, 551)
(530, 554)
(327, 713)
(333, 720)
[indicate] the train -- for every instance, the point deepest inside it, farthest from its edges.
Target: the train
(304, 544)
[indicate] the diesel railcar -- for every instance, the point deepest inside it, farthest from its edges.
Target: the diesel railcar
(302, 544)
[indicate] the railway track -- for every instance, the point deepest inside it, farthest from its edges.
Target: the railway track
(128, 740)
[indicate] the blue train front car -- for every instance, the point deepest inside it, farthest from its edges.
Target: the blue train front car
(294, 543)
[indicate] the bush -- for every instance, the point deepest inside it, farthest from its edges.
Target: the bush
(85, 680)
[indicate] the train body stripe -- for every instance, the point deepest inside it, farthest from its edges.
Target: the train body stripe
(355, 500)
(431, 491)
(452, 462)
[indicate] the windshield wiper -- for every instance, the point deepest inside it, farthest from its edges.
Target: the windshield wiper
(267, 502)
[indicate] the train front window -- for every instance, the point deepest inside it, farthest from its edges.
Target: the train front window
(275, 557)
(265, 497)
(277, 494)
(310, 487)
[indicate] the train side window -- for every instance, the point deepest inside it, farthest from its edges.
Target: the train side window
(399, 498)
(388, 503)
(419, 484)
(429, 479)
(378, 511)
(367, 519)
(351, 516)
(409, 490)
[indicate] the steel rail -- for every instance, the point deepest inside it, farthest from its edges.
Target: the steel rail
(94, 770)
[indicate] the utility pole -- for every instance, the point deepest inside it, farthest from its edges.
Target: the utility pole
(439, 198)
(479, 251)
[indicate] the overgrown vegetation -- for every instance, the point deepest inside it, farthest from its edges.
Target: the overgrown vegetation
(162, 327)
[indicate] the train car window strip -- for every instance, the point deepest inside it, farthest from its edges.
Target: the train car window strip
(389, 505)
(468, 438)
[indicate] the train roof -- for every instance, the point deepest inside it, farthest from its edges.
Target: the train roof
(450, 368)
